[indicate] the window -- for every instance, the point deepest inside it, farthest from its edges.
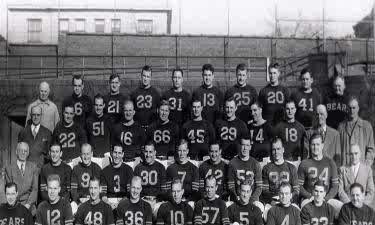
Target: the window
(144, 27)
(99, 25)
(116, 26)
(34, 30)
(64, 25)
(80, 25)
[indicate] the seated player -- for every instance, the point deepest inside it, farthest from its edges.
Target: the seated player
(54, 209)
(318, 211)
(134, 210)
(198, 132)
(218, 168)
(69, 134)
(55, 166)
(114, 100)
(260, 134)
(13, 212)
(129, 134)
(211, 209)
(230, 130)
(243, 211)
(284, 213)
(276, 172)
(243, 167)
(184, 170)
(356, 212)
(81, 175)
(94, 211)
(163, 132)
(175, 211)
(115, 178)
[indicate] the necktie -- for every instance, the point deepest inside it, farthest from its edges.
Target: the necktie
(34, 131)
(22, 169)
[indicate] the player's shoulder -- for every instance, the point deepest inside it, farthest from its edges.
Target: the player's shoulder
(96, 166)
(43, 205)
(191, 165)
(66, 167)
(146, 205)
(86, 98)
(124, 203)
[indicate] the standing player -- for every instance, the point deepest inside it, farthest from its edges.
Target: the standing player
(230, 130)
(134, 210)
(179, 98)
(198, 132)
(98, 128)
(186, 171)
(243, 211)
(146, 99)
(94, 211)
(211, 97)
(69, 134)
(243, 93)
(129, 134)
(306, 98)
(274, 96)
(243, 167)
(82, 104)
(210, 210)
(218, 168)
(284, 213)
(260, 134)
(55, 210)
(318, 211)
(115, 178)
(114, 99)
(175, 211)
(82, 173)
(164, 133)
(292, 133)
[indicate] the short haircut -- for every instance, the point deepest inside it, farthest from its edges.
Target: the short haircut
(214, 143)
(208, 67)
(210, 178)
(23, 143)
(55, 144)
(68, 106)
(34, 107)
(196, 100)
(182, 142)
(53, 177)
(136, 179)
(285, 184)
(146, 68)
(338, 77)
(305, 70)
(117, 145)
(128, 101)
(315, 136)
(177, 69)
(246, 181)
(246, 137)
(353, 98)
(93, 179)
(277, 139)
(290, 101)
(99, 96)
(77, 77)
(230, 99)
(241, 66)
(177, 181)
(164, 102)
(274, 66)
(113, 76)
(356, 185)
(86, 145)
(150, 143)
(9, 185)
(257, 103)
(320, 183)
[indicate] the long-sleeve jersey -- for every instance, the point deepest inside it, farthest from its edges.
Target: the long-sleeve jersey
(306, 106)
(82, 107)
(165, 137)
(58, 213)
(99, 134)
(212, 101)
(115, 182)
(171, 213)
(64, 171)
(245, 214)
(179, 104)
(260, 136)
(210, 212)
(312, 214)
(280, 215)
(16, 214)
(146, 101)
(133, 213)
(88, 214)
(273, 99)
(81, 179)
(337, 109)
(220, 172)
(350, 215)
(153, 179)
(114, 106)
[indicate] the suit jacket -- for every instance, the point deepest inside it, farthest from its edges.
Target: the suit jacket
(364, 177)
(39, 145)
(27, 184)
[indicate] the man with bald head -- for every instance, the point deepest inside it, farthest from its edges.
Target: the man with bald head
(331, 138)
(50, 114)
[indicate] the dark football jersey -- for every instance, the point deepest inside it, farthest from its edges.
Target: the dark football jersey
(171, 213)
(115, 182)
(351, 215)
(239, 170)
(212, 101)
(311, 170)
(146, 102)
(244, 97)
(70, 138)
(306, 106)
(273, 175)
(132, 138)
(82, 107)
(179, 104)
(100, 213)
(81, 178)
(220, 172)
(260, 137)
(58, 213)
(211, 212)
(199, 134)
(153, 179)
(245, 214)
(129, 213)
(312, 214)
(280, 215)
(15, 215)
(98, 134)
(273, 99)
(188, 174)
(64, 171)
(114, 105)
(165, 136)
(229, 134)
(337, 108)
(292, 135)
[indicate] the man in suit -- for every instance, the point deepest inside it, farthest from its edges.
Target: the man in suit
(356, 172)
(331, 137)
(25, 174)
(37, 137)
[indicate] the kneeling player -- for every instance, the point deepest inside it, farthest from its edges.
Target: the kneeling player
(94, 211)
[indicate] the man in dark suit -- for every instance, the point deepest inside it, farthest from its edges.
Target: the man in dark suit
(37, 137)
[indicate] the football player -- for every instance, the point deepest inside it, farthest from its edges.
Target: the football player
(114, 100)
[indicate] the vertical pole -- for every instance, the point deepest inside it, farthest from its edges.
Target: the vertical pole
(83, 66)
(113, 69)
(124, 65)
(323, 26)
(176, 46)
(41, 66)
